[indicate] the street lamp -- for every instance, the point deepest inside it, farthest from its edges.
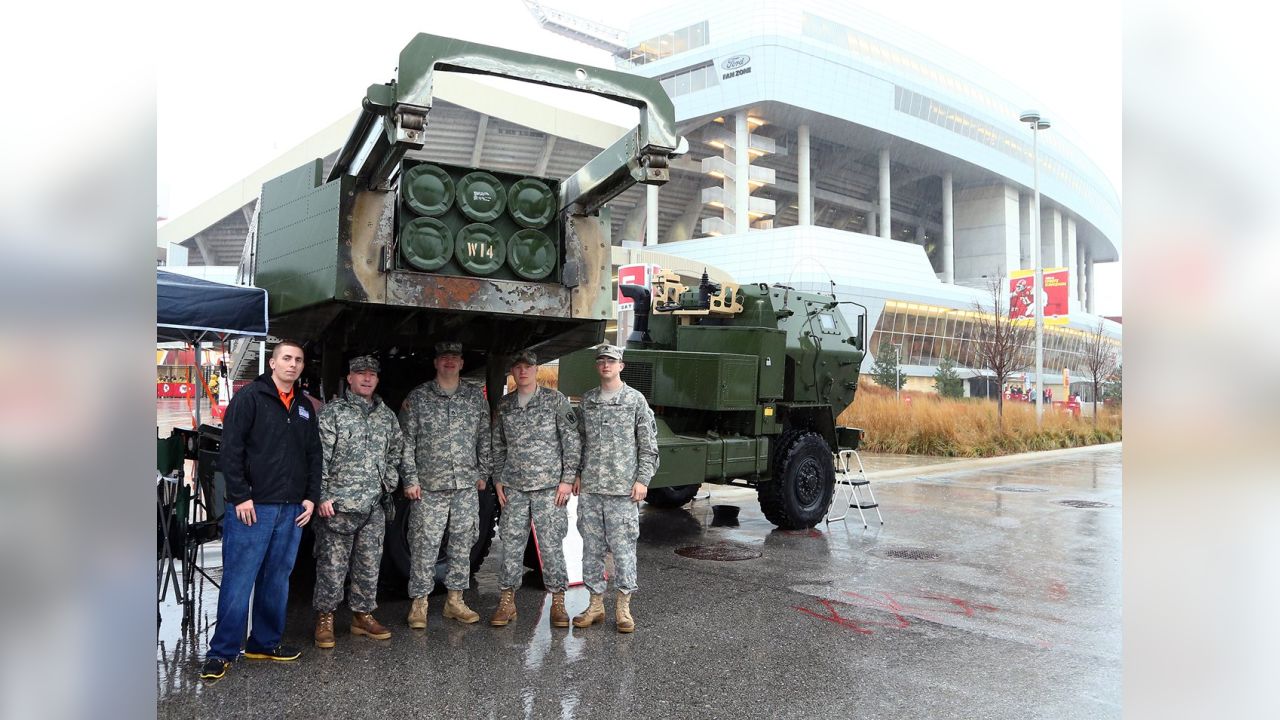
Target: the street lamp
(1037, 123)
(897, 372)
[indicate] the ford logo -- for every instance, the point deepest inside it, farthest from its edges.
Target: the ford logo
(735, 62)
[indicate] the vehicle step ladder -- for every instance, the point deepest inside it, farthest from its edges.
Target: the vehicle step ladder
(849, 483)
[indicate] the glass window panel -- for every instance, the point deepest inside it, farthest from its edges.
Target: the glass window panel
(698, 36)
(697, 79)
(681, 40)
(927, 351)
(682, 84)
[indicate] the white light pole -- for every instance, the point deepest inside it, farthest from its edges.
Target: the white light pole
(897, 372)
(1037, 123)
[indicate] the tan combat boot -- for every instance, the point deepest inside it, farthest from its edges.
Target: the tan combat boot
(593, 614)
(506, 611)
(623, 614)
(324, 630)
(364, 624)
(559, 616)
(418, 614)
(455, 607)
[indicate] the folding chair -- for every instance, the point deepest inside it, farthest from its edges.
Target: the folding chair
(203, 515)
(170, 457)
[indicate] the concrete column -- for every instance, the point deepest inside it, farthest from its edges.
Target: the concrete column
(1050, 235)
(742, 173)
(886, 210)
(986, 232)
(651, 215)
(1080, 251)
(1088, 284)
(1026, 204)
(920, 234)
(1059, 240)
(873, 218)
(948, 231)
(805, 201)
(1069, 246)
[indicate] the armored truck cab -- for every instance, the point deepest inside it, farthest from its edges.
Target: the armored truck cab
(746, 384)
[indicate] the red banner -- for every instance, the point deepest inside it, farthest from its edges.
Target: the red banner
(1053, 299)
(174, 390)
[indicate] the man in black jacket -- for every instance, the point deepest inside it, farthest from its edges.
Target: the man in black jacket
(271, 461)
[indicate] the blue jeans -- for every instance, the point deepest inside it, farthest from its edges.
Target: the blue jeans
(255, 558)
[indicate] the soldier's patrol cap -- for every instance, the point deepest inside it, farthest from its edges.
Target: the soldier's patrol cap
(448, 347)
(361, 363)
(528, 357)
(610, 351)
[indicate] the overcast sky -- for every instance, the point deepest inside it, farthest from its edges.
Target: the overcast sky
(240, 82)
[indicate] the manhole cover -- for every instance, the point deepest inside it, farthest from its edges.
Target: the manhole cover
(720, 551)
(912, 553)
(1018, 488)
(1084, 504)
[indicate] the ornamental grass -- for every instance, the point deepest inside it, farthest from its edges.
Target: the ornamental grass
(932, 425)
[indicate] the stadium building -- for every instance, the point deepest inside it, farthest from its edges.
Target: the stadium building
(829, 150)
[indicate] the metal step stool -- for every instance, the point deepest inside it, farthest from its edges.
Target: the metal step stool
(848, 484)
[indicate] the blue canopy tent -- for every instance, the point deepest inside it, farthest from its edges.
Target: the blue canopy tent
(193, 310)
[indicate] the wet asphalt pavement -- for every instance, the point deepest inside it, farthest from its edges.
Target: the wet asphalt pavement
(988, 593)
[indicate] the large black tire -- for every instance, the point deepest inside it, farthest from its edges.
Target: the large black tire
(671, 497)
(799, 491)
(394, 574)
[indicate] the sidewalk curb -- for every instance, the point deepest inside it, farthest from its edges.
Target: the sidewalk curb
(909, 473)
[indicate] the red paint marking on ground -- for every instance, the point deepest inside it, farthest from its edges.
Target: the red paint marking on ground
(834, 616)
(1057, 590)
(963, 607)
(899, 611)
(889, 605)
(1044, 644)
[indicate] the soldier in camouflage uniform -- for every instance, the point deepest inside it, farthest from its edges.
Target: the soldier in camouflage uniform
(364, 456)
(446, 423)
(619, 458)
(536, 452)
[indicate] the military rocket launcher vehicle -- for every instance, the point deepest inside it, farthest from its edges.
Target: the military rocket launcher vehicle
(746, 383)
(392, 251)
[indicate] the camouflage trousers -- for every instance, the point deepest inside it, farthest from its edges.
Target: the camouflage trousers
(457, 510)
(608, 523)
(349, 542)
(550, 523)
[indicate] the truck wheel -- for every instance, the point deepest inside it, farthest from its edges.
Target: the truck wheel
(671, 497)
(804, 477)
(394, 573)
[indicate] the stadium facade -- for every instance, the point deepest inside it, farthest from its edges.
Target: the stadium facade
(828, 149)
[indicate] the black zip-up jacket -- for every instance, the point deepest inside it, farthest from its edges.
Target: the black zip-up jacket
(270, 454)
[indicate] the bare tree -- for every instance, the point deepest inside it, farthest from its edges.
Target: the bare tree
(1101, 359)
(1004, 345)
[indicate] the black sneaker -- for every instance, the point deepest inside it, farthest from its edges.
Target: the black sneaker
(280, 653)
(214, 668)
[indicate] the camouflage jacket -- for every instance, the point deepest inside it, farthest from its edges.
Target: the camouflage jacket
(449, 436)
(537, 446)
(619, 442)
(362, 452)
